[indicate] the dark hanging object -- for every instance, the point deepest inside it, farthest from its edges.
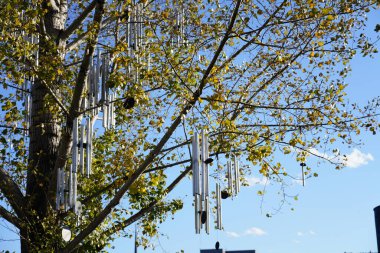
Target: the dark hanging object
(111, 84)
(129, 103)
(225, 194)
(209, 160)
(377, 226)
(204, 217)
(217, 245)
(302, 164)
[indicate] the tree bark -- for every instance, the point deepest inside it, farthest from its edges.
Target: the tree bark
(45, 132)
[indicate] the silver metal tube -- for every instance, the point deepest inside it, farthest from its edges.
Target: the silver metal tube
(97, 77)
(207, 209)
(81, 149)
(238, 176)
(60, 189)
(229, 173)
(70, 197)
(67, 191)
(195, 164)
(89, 147)
(197, 209)
(235, 175)
(75, 185)
(203, 165)
(104, 80)
(75, 145)
(218, 205)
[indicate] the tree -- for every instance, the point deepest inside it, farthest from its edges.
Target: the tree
(262, 78)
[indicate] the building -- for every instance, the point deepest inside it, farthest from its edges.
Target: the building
(226, 251)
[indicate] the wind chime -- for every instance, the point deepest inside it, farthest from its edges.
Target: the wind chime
(99, 99)
(200, 163)
(200, 169)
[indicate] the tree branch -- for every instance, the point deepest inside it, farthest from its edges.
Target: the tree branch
(12, 192)
(78, 21)
(8, 216)
(148, 208)
(82, 37)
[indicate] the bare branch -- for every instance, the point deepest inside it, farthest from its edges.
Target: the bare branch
(12, 192)
(82, 37)
(8, 216)
(78, 21)
(149, 207)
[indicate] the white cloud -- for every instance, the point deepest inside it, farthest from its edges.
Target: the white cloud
(257, 181)
(250, 231)
(299, 233)
(353, 160)
(255, 231)
(311, 232)
(357, 159)
(232, 234)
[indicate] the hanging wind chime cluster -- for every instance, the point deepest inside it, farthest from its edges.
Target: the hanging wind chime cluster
(200, 170)
(99, 99)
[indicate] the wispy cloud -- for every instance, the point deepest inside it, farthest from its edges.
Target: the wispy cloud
(252, 181)
(253, 231)
(354, 159)
(232, 234)
(308, 233)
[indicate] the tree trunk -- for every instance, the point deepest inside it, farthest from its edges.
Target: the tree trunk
(45, 132)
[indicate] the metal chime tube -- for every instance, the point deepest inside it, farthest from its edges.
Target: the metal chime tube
(236, 176)
(103, 72)
(218, 207)
(97, 77)
(195, 164)
(60, 189)
(74, 165)
(70, 197)
(91, 93)
(89, 147)
(230, 179)
(138, 25)
(67, 190)
(203, 166)
(81, 149)
(197, 212)
(113, 98)
(207, 207)
(303, 177)
(74, 193)
(74, 156)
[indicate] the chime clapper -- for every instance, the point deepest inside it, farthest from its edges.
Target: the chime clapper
(217, 245)
(129, 103)
(208, 160)
(225, 194)
(303, 175)
(204, 217)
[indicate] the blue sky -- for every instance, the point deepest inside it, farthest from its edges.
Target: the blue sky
(334, 212)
